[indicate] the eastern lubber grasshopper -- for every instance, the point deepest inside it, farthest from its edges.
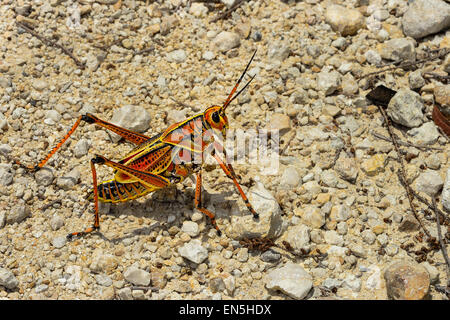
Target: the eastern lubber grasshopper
(160, 161)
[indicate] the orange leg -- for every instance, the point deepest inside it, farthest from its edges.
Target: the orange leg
(131, 136)
(198, 200)
(229, 173)
(128, 135)
(53, 151)
(96, 225)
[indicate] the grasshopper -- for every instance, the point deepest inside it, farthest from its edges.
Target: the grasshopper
(160, 161)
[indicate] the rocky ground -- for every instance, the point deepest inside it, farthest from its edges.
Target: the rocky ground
(336, 201)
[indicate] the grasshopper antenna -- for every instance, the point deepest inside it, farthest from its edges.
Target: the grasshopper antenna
(230, 96)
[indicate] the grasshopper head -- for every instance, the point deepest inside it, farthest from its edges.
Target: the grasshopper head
(216, 118)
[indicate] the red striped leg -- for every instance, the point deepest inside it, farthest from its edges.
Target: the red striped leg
(198, 200)
(241, 192)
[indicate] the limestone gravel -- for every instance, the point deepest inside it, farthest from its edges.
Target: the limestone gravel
(333, 194)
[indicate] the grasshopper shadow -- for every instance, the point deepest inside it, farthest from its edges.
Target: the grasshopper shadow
(156, 207)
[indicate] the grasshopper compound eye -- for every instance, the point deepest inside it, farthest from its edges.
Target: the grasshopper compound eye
(215, 117)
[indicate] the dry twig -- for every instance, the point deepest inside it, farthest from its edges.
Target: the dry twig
(227, 12)
(441, 241)
(406, 144)
(440, 53)
(402, 175)
(286, 145)
(51, 43)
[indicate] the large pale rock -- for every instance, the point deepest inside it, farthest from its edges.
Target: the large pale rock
(425, 17)
(290, 279)
(398, 49)
(405, 108)
(346, 21)
(429, 182)
(270, 223)
(134, 118)
(18, 213)
(328, 81)
(226, 41)
(298, 237)
(137, 276)
(193, 251)
(7, 279)
(425, 134)
(6, 175)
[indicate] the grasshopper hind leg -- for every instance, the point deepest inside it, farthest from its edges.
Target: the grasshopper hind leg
(96, 225)
(198, 199)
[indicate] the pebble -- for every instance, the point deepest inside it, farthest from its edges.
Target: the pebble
(432, 271)
(425, 17)
(41, 288)
(198, 9)
(446, 191)
(374, 165)
(18, 213)
(398, 49)
(328, 81)
(131, 117)
(69, 180)
(56, 222)
(6, 176)
(313, 217)
(346, 168)
(225, 41)
(352, 282)
(137, 276)
(7, 279)
(279, 122)
(416, 80)
(429, 182)
(177, 56)
(406, 280)
(103, 262)
(405, 108)
(59, 242)
(373, 57)
(442, 96)
(81, 148)
(358, 250)
(278, 51)
(391, 250)
(333, 238)
(39, 84)
(345, 21)
(208, 55)
(298, 237)
(426, 134)
(191, 228)
(270, 256)
(44, 177)
(368, 236)
(193, 251)
(103, 280)
(217, 285)
(291, 279)
(408, 224)
(290, 177)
